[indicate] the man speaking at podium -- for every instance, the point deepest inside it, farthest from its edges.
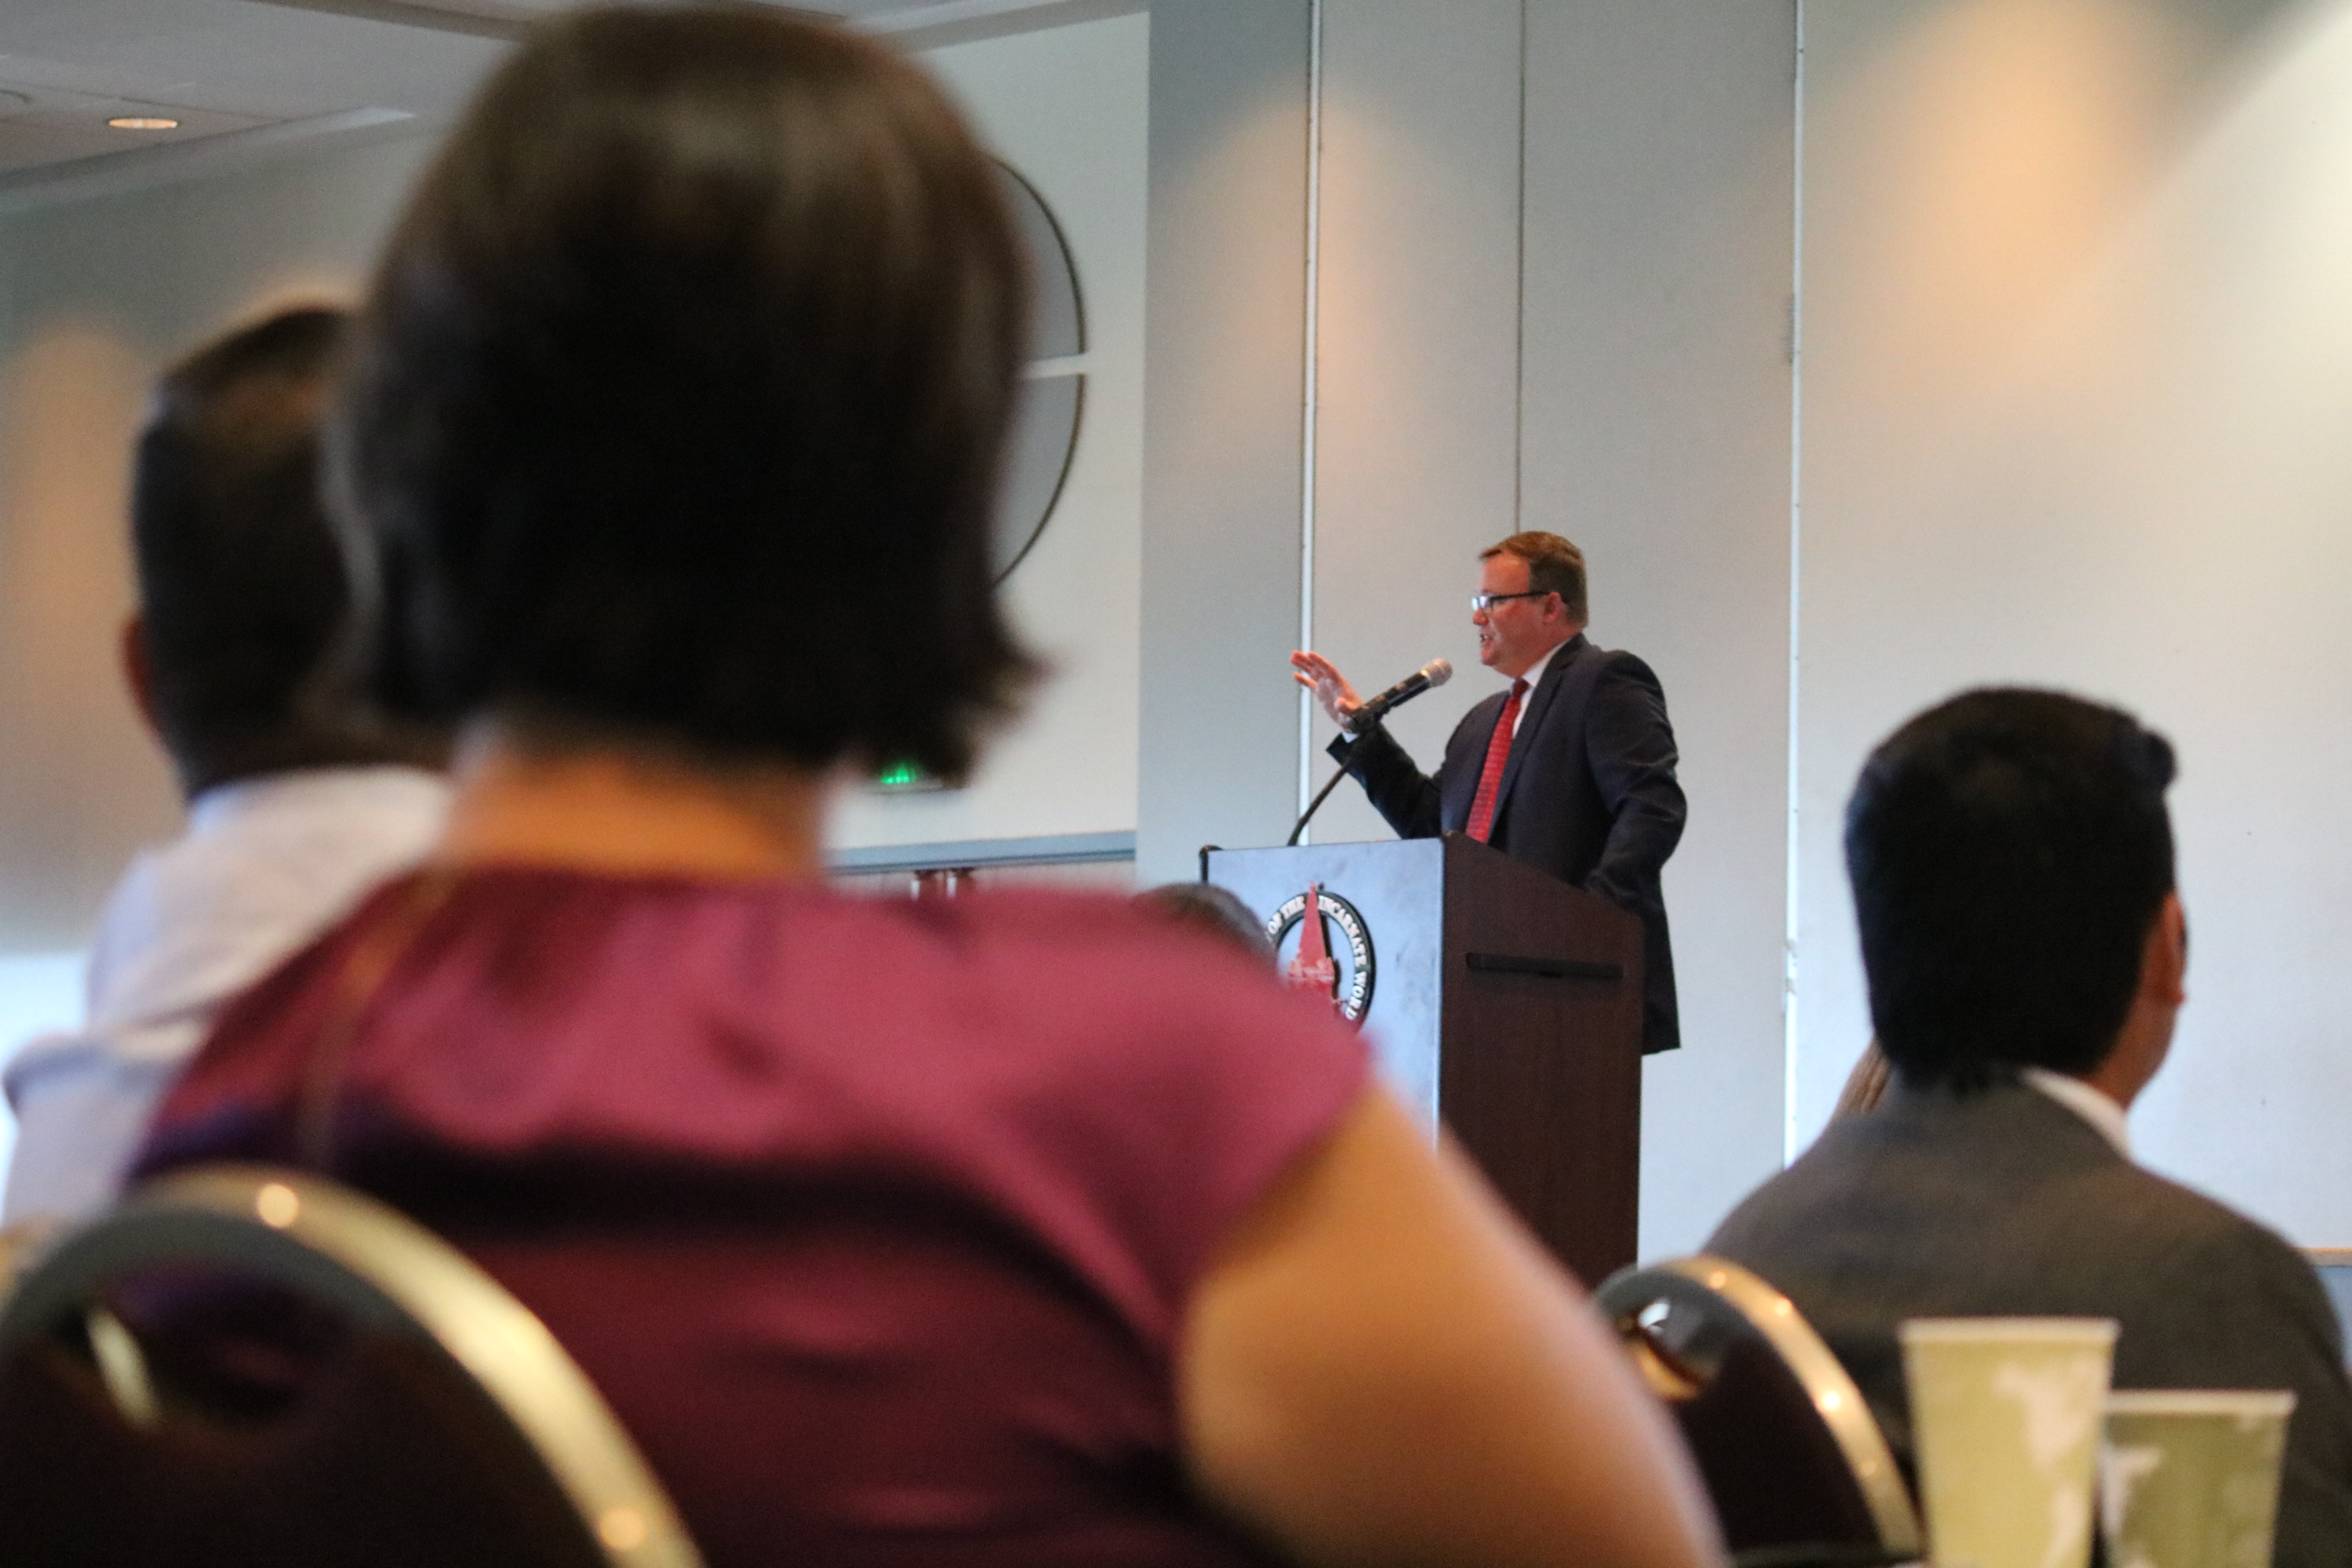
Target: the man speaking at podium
(1572, 769)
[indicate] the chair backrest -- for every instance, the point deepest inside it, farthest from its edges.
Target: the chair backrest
(430, 1416)
(1792, 1458)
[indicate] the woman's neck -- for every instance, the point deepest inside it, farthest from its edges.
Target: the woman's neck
(626, 808)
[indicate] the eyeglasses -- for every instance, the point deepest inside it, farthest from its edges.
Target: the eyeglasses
(1483, 602)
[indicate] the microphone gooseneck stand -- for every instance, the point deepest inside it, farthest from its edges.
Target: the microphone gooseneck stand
(1313, 806)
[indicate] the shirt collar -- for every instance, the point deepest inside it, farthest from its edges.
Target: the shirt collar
(1535, 672)
(2105, 1116)
(335, 786)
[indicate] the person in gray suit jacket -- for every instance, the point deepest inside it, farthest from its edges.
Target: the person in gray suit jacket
(2012, 863)
(1582, 782)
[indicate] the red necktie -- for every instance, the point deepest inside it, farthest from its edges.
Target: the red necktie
(1490, 778)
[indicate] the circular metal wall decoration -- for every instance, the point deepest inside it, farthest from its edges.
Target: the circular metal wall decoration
(1045, 435)
(1043, 439)
(1350, 959)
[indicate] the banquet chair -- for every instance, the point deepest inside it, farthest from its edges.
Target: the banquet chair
(1792, 1460)
(244, 1365)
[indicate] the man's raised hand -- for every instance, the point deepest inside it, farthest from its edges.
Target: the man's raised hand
(1321, 677)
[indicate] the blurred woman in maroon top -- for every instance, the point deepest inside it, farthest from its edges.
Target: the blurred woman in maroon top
(1008, 1230)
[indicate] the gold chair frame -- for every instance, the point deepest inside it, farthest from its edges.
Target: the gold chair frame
(1707, 1284)
(385, 1271)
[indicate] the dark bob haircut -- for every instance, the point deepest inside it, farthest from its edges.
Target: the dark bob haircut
(2009, 851)
(679, 404)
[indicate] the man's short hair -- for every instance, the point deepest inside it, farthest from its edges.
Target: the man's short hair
(1554, 566)
(241, 588)
(2009, 851)
(679, 404)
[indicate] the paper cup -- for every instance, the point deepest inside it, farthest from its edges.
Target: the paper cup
(2005, 1421)
(2190, 1478)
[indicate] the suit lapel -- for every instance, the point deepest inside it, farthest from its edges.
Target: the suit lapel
(1538, 704)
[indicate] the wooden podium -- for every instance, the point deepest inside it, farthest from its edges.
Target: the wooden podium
(1498, 1000)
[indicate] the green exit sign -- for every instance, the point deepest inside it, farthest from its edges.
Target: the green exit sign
(901, 778)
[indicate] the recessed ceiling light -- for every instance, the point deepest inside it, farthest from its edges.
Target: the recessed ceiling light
(142, 122)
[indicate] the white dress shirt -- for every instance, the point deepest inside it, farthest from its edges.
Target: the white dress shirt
(265, 865)
(2105, 1116)
(1534, 678)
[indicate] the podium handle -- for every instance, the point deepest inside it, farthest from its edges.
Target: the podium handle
(1549, 968)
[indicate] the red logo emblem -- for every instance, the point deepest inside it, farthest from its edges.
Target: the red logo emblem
(1311, 968)
(1342, 973)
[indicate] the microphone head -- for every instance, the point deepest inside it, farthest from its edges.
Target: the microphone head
(1439, 670)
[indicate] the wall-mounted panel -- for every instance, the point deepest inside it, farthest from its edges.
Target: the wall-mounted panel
(1218, 752)
(1417, 408)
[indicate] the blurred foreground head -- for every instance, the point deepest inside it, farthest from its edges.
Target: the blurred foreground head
(2009, 851)
(1213, 911)
(241, 592)
(678, 404)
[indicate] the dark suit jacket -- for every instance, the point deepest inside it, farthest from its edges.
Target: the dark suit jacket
(2008, 1203)
(1589, 795)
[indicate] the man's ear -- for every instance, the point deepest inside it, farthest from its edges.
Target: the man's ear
(136, 673)
(2164, 965)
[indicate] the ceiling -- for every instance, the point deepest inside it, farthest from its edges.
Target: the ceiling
(238, 74)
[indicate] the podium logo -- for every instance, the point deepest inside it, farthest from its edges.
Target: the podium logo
(1341, 970)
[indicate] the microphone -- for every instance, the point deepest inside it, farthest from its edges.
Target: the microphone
(1436, 672)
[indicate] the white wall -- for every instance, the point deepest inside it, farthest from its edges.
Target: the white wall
(2078, 295)
(1224, 454)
